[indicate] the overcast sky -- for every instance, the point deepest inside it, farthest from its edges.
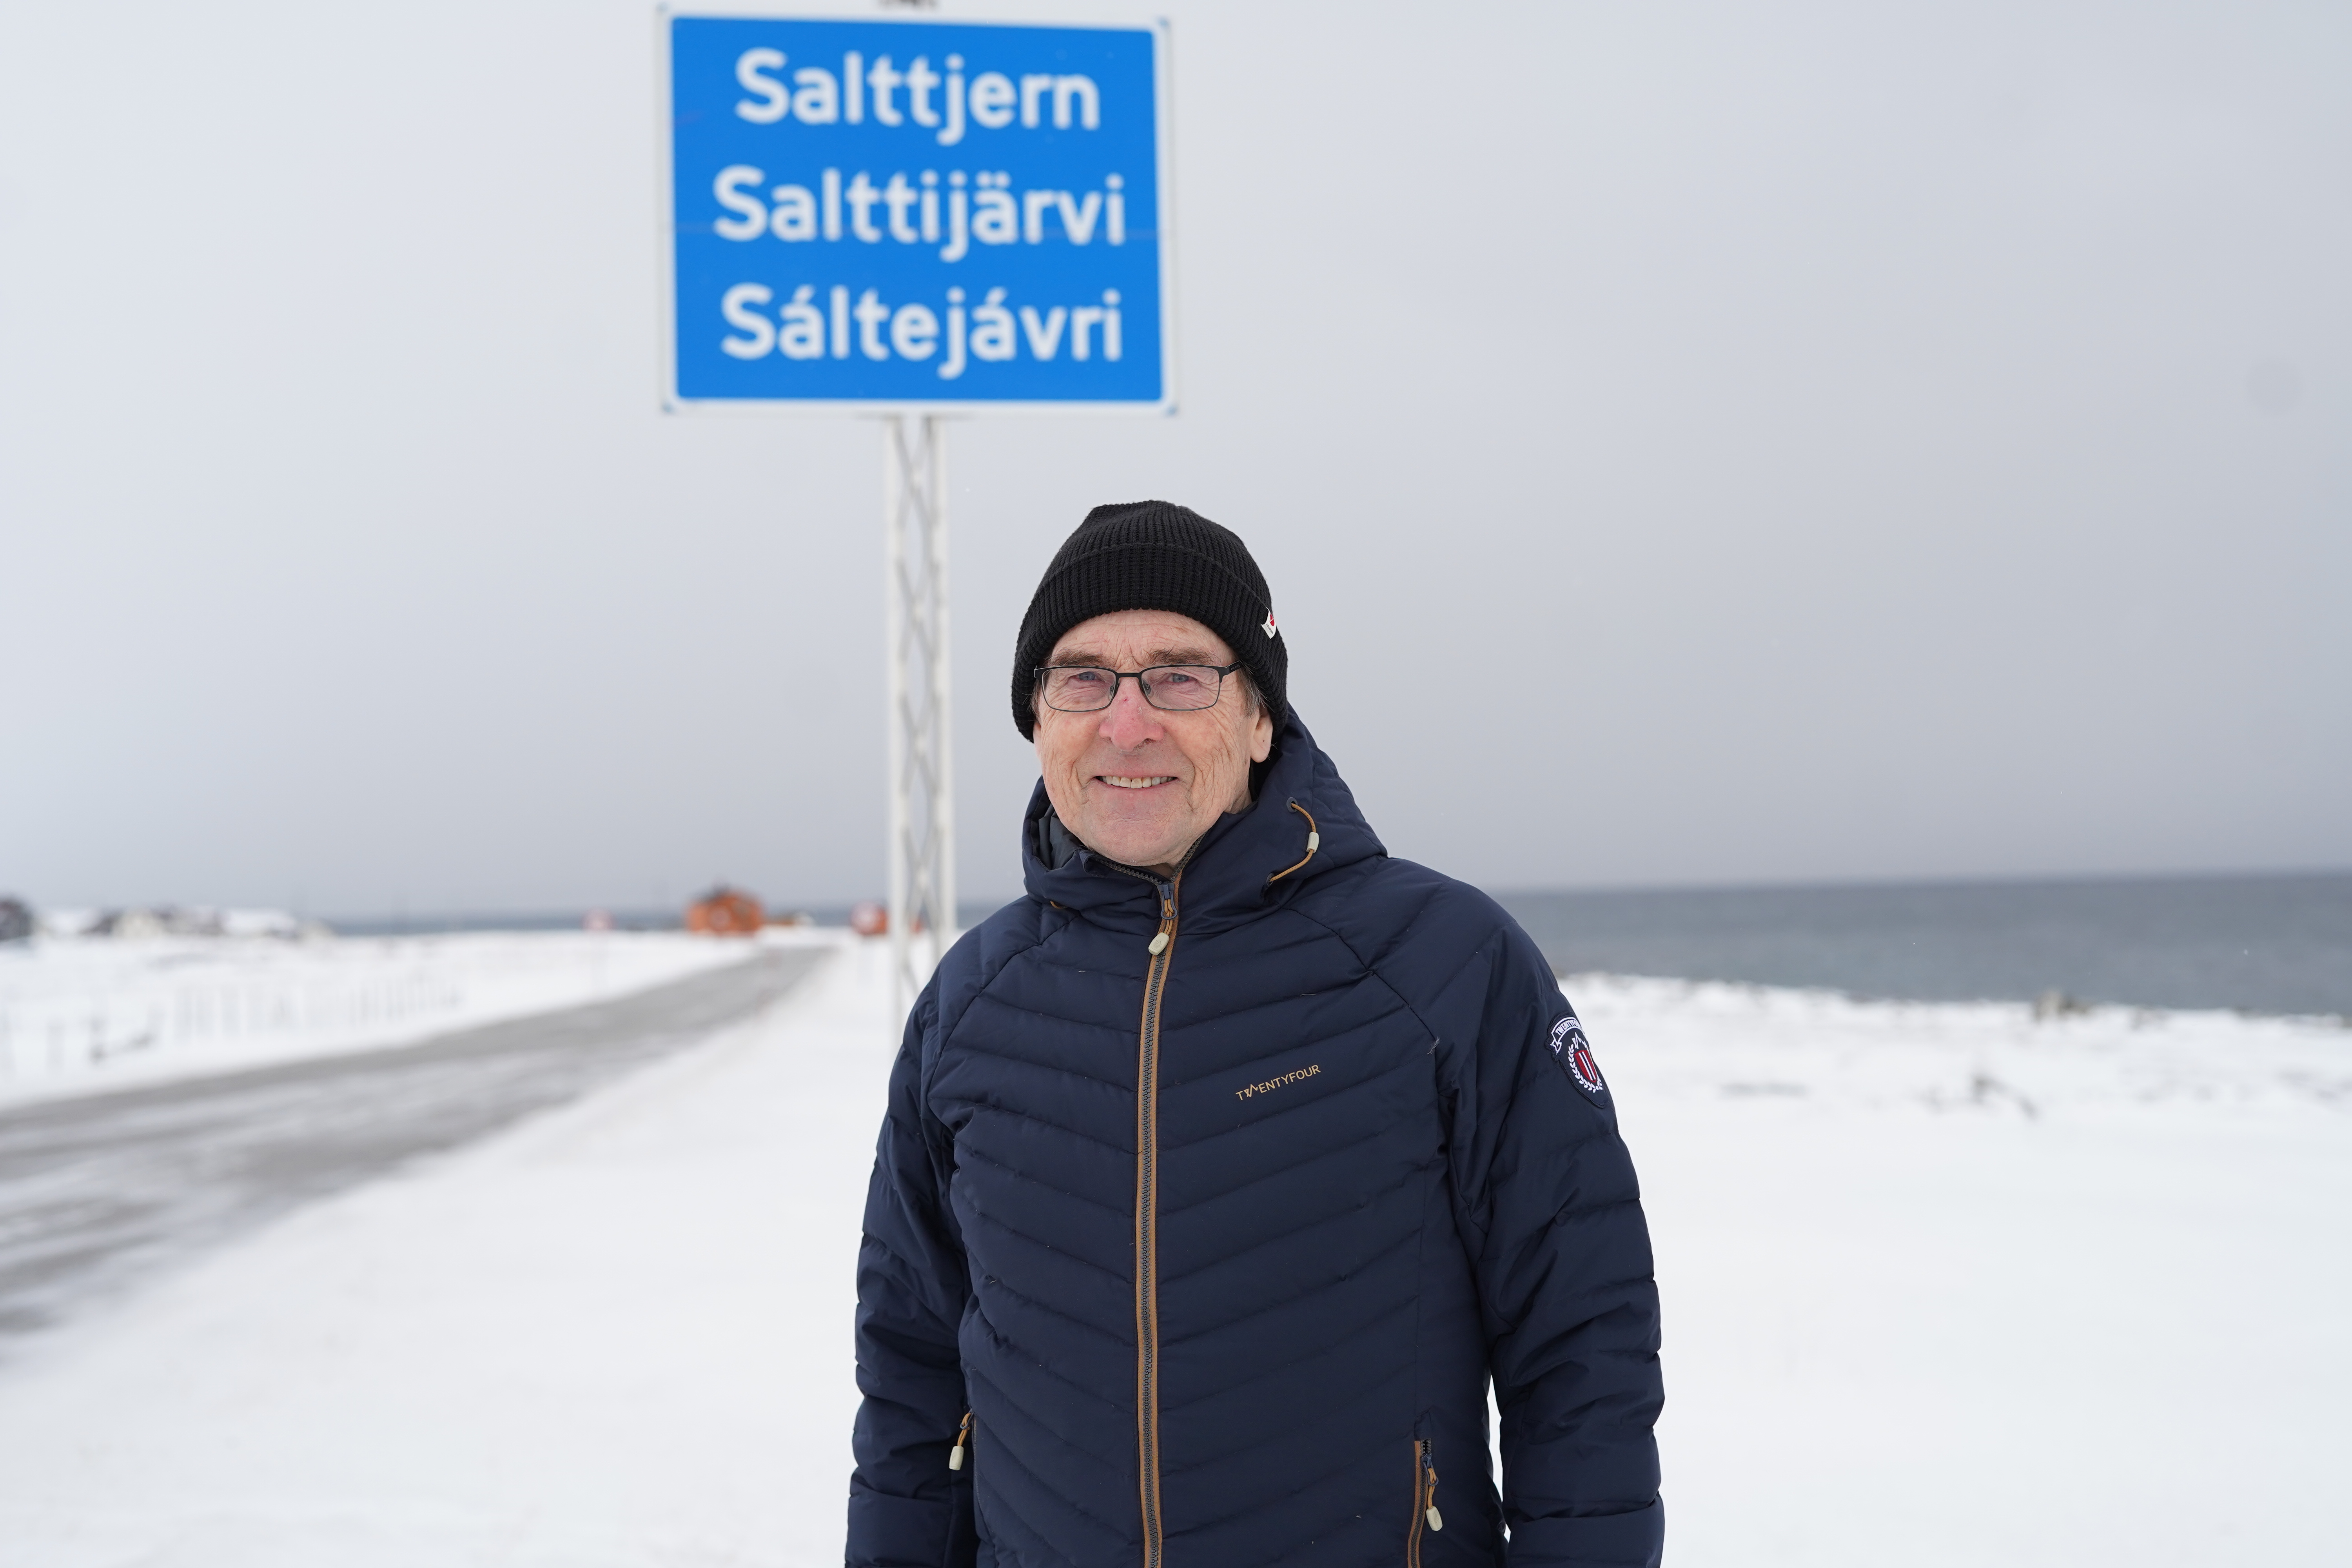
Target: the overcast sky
(1811, 442)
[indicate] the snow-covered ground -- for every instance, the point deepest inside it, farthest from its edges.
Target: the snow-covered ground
(78, 1013)
(1908, 1320)
(1944, 1285)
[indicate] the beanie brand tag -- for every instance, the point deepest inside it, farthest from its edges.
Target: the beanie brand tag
(1268, 627)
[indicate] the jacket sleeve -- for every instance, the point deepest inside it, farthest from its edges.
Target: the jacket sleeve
(1565, 1276)
(906, 1508)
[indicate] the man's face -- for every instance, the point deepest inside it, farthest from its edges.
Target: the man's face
(1135, 782)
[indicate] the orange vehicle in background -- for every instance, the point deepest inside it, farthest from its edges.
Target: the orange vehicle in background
(725, 911)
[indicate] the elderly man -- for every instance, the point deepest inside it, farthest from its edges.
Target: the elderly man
(1225, 1172)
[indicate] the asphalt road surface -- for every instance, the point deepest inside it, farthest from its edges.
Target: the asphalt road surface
(100, 1192)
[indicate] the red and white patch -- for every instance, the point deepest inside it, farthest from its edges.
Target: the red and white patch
(1575, 1054)
(1267, 628)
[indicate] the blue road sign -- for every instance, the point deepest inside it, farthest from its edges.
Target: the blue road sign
(912, 214)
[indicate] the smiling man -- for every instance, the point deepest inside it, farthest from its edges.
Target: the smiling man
(1124, 776)
(1225, 1173)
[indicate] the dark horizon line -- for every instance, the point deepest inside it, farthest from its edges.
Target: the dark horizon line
(670, 916)
(1911, 884)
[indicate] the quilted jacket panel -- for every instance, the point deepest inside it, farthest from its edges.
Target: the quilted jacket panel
(1379, 1180)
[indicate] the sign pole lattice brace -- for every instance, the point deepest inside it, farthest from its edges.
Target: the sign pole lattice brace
(922, 794)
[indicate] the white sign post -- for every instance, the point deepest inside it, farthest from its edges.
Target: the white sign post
(915, 217)
(923, 774)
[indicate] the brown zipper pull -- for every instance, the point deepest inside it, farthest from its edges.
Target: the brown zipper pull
(1429, 1463)
(955, 1454)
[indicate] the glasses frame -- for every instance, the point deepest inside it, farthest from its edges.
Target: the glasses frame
(1137, 675)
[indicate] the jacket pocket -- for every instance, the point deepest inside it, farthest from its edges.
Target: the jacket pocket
(1425, 1516)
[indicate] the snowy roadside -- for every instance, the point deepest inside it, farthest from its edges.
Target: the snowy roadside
(81, 1015)
(618, 1334)
(1905, 1320)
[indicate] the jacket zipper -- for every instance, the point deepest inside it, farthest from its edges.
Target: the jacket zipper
(1147, 1221)
(1424, 1500)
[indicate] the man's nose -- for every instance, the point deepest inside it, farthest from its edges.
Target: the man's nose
(1129, 720)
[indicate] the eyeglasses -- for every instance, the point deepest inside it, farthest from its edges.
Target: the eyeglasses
(1173, 687)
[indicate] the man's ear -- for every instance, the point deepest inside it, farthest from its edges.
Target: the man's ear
(1260, 733)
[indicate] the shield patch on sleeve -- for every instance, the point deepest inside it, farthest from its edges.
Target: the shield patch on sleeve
(1575, 1054)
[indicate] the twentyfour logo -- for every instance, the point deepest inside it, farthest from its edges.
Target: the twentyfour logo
(1575, 1054)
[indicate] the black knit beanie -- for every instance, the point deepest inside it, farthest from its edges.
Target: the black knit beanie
(1154, 555)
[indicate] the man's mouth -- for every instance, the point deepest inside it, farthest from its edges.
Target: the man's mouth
(1135, 781)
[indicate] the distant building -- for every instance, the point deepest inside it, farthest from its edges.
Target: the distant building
(142, 924)
(725, 911)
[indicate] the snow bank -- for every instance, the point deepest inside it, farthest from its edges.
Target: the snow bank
(1946, 1285)
(1709, 1040)
(1907, 1321)
(79, 1014)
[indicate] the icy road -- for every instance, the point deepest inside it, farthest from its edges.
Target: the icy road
(98, 1192)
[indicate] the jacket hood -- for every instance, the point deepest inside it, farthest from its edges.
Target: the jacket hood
(1250, 862)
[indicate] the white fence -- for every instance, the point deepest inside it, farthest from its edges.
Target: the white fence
(78, 1012)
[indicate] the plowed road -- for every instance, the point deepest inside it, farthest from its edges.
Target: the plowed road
(100, 1190)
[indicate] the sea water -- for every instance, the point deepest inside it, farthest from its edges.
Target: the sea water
(2262, 945)
(2259, 944)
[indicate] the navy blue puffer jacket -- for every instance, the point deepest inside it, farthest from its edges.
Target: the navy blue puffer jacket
(1219, 1244)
